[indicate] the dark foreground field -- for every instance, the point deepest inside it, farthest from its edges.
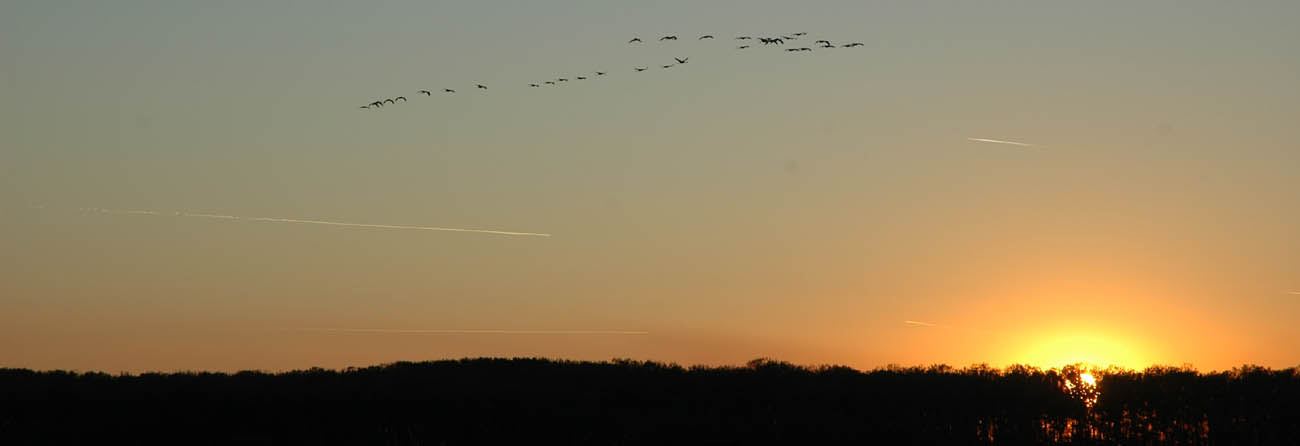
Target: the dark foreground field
(536, 401)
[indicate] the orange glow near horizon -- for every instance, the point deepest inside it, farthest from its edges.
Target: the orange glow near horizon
(1093, 349)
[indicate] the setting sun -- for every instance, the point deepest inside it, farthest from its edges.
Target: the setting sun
(1088, 379)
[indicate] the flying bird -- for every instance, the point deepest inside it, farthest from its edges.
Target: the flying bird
(534, 85)
(581, 78)
(635, 40)
(427, 92)
(481, 86)
(448, 90)
(827, 42)
(550, 82)
(791, 50)
(681, 60)
(365, 107)
(744, 38)
(800, 34)
(390, 101)
(377, 104)
(639, 69)
(851, 45)
(742, 47)
(403, 98)
(600, 73)
(562, 80)
(661, 39)
(668, 66)
(706, 36)
(805, 49)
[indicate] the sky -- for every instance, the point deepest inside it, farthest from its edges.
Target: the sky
(165, 167)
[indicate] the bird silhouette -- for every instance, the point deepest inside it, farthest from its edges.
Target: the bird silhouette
(668, 66)
(534, 85)
(742, 47)
(448, 90)
(390, 101)
(851, 45)
(744, 38)
(481, 86)
(800, 34)
(403, 98)
(791, 50)
(581, 78)
(635, 40)
(706, 36)
(600, 73)
(661, 39)
(789, 38)
(562, 80)
(680, 61)
(377, 104)
(639, 69)
(805, 49)
(550, 82)
(365, 106)
(427, 92)
(823, 41)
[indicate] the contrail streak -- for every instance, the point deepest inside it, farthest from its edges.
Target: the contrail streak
(998, 141)
(311, 222)
(486, 331)
(923, 324)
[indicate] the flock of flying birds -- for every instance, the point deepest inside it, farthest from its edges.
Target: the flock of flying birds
(765, 41)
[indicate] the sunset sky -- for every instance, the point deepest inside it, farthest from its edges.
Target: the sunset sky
(835, 206)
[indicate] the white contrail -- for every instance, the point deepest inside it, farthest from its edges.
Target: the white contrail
(313, 222)
(479, 331)
(923, 324)
(998, 141)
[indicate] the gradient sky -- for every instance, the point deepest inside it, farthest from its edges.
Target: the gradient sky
(748, 204)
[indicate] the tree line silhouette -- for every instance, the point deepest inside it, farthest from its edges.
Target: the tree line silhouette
(626, 402)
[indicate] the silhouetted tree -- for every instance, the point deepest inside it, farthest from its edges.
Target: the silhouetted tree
(628, 402)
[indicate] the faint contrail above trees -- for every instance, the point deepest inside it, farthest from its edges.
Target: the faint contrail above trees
(999, 141)
(919, 323)
(312, 222)
(478, 331)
